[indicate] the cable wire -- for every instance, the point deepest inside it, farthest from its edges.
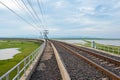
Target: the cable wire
(30, 4)
(27, 11)
(41, 10)
(18, 15)
(30, 13)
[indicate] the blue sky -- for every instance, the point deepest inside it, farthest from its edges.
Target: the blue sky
(65, 18)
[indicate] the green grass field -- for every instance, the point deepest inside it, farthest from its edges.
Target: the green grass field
(109, 48)
(25, 47)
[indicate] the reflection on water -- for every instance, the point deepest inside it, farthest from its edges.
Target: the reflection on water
(74, 41)
(108, 42)
(8, 53)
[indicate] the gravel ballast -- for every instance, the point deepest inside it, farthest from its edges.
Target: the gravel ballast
(77, 68)
(47, 68)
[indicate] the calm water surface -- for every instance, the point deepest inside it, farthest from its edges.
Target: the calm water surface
(74, 41)
(108, 42)
(8, 53)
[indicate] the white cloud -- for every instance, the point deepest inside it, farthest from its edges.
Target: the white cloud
(73, 17)
(59, 4)
(53, 29)
(117, 5)
(86, 10)
(93, 31)
(81, 19)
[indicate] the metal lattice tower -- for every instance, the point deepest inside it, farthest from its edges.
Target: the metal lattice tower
(45, 33)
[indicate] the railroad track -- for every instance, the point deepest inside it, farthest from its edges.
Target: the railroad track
(110, 67)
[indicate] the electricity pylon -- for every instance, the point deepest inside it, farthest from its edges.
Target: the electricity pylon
(45, 33)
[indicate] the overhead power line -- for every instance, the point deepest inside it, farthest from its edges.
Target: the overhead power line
(29, 11)
(16, 13)
(21, 7)
(34, 15)
(34, 11)
(42, 11)
(26, 10)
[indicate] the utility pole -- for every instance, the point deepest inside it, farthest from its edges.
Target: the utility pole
(93, 44)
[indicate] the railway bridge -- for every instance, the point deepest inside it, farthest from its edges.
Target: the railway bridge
(55, 60)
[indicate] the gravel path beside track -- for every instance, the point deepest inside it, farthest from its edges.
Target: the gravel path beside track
(47, 68)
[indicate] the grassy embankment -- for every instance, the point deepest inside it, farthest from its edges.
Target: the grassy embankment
(108, 48)
(25, 47)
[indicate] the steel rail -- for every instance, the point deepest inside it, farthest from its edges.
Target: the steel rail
(62, 68)
(109, 59)
(98, 67)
